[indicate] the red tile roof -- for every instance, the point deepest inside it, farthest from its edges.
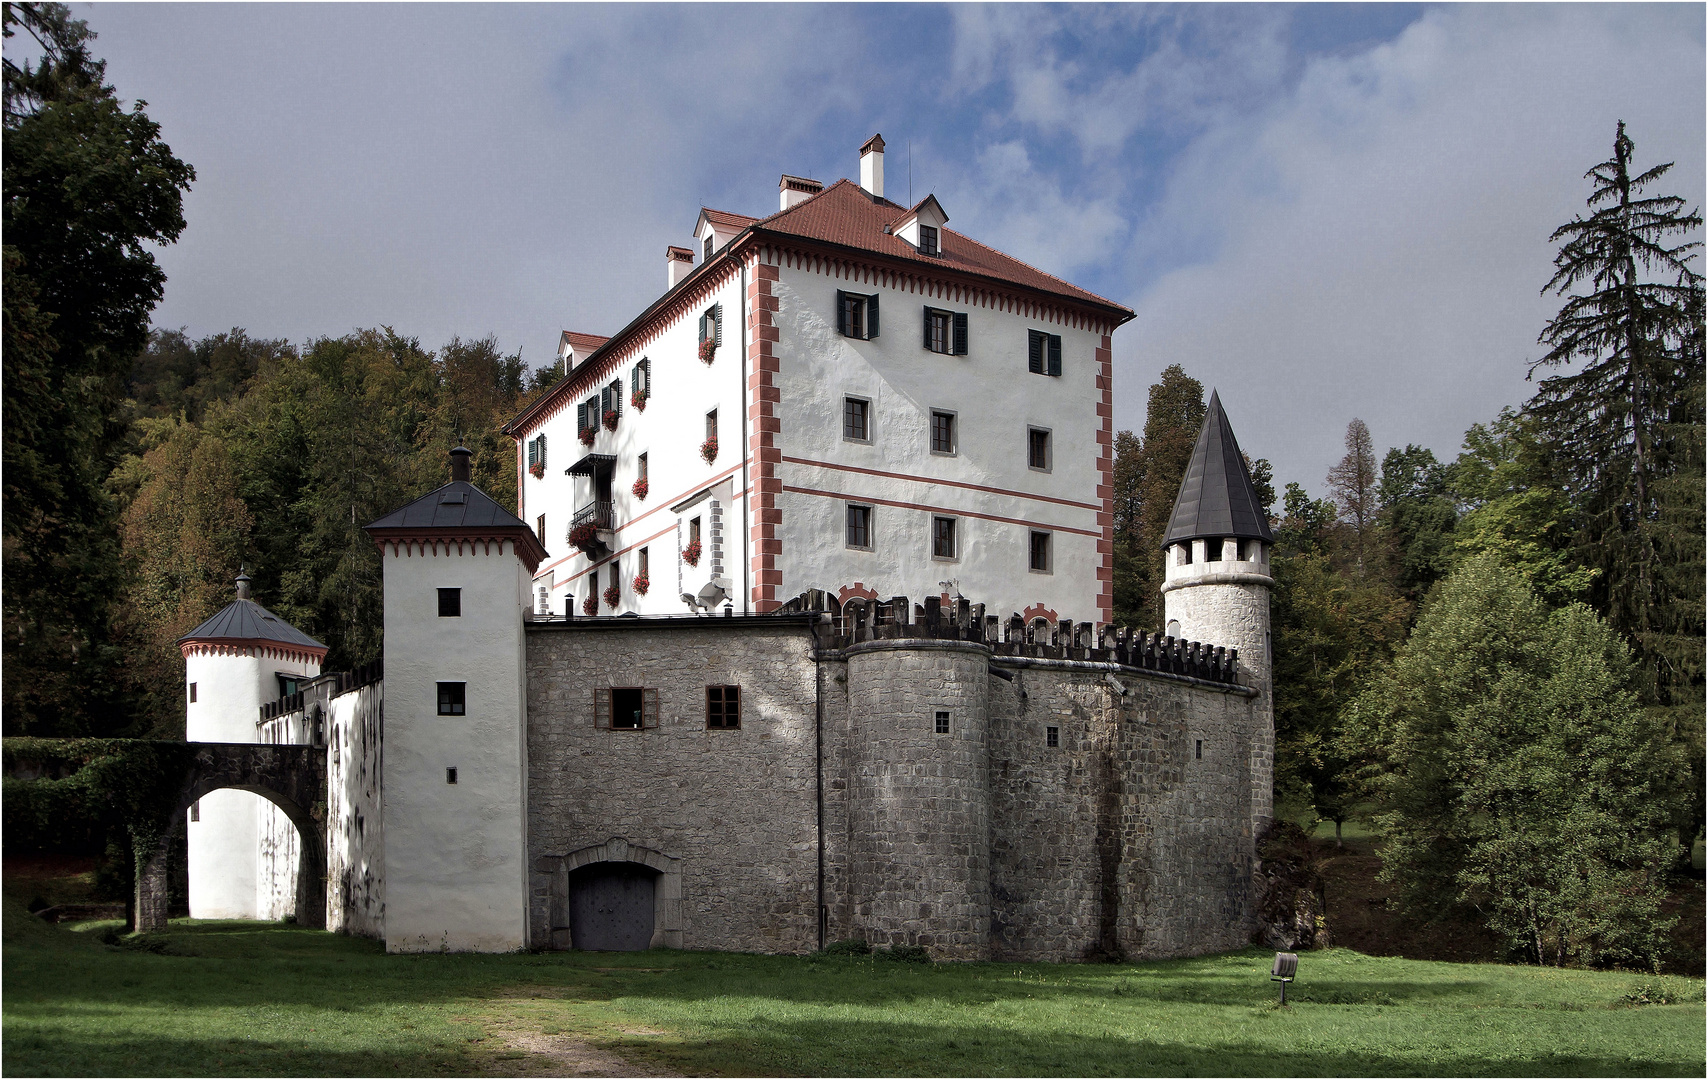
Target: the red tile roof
(844, 214)
(585, 341)
(724, 217)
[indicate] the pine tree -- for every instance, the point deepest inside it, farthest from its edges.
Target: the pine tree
(1353, 481)
(1624, 428)
(1173, 416)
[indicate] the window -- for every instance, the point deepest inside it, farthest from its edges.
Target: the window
(289, 684)
(451, 600)
(942, 538)
(537, 454)
(1213, 550)
(857, 314)
(451, 698)
(540, 528)
(1052, 736)
(860, 526)
(942, 723)
(942, 432)
(641, 467)
(1038, 449)
(927, 240)
(694, 530)
(712, 424)
(192, 693)
(640, 378)
(1199, 750)
(1043, 353)
(857, 419)
(641, 564)
(588, 416)
(712, 325)
(610, 400)
(723, 707)
(946, 331)
(611, 577)
(708, 248)
(1040, 554)
(625, 708)
(451, 775)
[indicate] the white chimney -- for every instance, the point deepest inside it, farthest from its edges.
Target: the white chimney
(872, 166)
(679, 262)
(793, 190)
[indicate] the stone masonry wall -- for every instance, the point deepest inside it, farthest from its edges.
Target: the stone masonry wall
(735, 811)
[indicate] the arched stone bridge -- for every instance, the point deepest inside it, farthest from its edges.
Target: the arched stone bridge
(290, 776)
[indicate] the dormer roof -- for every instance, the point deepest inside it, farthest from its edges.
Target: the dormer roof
(245, 621)
(458, 511)
(1217, 497)
(927, 211)
(722, 220)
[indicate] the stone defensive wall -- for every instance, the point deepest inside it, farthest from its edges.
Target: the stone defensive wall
(926, 774)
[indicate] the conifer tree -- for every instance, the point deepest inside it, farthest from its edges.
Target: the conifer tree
(1353, 481)
(1173, 416)
(1625, 427)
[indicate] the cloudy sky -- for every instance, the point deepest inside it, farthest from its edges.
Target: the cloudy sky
(1324, 211)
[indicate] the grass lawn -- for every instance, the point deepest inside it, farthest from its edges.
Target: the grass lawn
(263, 998)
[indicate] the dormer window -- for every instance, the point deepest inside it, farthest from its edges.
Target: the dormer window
(927, 240)
(708, 248)
(921, 226)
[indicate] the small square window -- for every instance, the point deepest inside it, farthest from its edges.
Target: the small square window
(1038, 449)
(723, 707)
(192, 693)
(857, 419)
(452, 701)
(927, 240)
(943, 538)
(942, 723)
(1039, 562)
(627, 707)
(451, 600)
(451, 775)
(942, 432)
(859, 526)
(1052, 737)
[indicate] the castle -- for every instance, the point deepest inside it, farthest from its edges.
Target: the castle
(775, 754)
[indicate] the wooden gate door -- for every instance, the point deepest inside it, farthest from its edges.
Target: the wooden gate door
(610, 907)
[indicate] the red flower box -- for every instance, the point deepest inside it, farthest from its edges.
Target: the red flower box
(590, 606)
(641, 584)
(588, 435)
(708, 350)
(709, 449)
(691, 553)
(612, 596)
(638, 400)
(639, 490)
(610, 419)
(584, 537)
(536, 470)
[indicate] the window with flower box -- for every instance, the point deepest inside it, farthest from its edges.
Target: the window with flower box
(640, 383)
(537, 456)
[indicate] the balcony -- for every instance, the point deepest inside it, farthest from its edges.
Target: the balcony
(596, 514)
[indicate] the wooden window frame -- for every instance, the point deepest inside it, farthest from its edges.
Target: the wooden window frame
(865, 404)
(719, 699)
(954, 524)
(866, 526)
(1044, 353)
(1032, 551)
(954, 441)
(603, 707)
(455, 600)
(1032, 432)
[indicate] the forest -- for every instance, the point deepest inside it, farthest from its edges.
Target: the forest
(1492, 655)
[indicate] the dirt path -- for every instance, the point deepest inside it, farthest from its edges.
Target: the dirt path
(525, 1036)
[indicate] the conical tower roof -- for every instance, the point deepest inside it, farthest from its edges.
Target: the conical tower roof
(243, 621)
(1217, 498)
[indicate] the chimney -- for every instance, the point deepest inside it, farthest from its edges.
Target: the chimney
(794, 190)
(460, 464)
(679, 262)
(243, 584)
(872, 166)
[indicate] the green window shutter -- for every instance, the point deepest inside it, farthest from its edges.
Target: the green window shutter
(542, 442)
(581, 418)
(717, 324)
(1034, 352)
(960, 345)
(604, 402)
(533, 452)
(702, 329)
(841, 313)
(872, 316)
(617, 395)
(928, 328)
(1055, 354)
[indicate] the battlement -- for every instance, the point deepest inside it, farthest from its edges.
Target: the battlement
(961, 620)
(330, 685)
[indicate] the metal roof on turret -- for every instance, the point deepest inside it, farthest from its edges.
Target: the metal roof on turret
(245, 620)
(1217, 498)
(459, 509)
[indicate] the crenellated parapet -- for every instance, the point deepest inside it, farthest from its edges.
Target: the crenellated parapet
(898, 618)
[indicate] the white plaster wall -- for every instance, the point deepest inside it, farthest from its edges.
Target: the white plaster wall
(225, 843)
(355, 815)
(995, 399)
(670, 432)
(455, 861)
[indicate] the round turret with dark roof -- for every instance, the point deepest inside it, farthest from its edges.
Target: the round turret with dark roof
(1217, 499)
(244, 624)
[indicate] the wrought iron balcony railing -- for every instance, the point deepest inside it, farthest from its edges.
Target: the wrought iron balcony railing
(596, 514)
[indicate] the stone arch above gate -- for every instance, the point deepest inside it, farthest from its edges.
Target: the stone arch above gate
(290, 776)
(667, 896)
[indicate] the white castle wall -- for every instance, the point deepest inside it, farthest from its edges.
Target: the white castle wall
(225, 829)
(455, 863)
(355, 813)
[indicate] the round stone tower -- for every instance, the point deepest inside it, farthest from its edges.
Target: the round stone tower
(920, 828)
(1216, 576)
(235, 662)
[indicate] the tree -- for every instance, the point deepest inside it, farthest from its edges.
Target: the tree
(1418, 514)
(1353, 481)
(1130, 579)
(88, 186)
(1628, 419)
(1173, 415)
(1514, 769)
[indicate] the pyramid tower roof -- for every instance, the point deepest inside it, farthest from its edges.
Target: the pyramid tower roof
(1217, 498)
(244, 622)
(458, 511)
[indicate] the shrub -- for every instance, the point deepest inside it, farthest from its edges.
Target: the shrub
(904, 954)
(847, 947)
